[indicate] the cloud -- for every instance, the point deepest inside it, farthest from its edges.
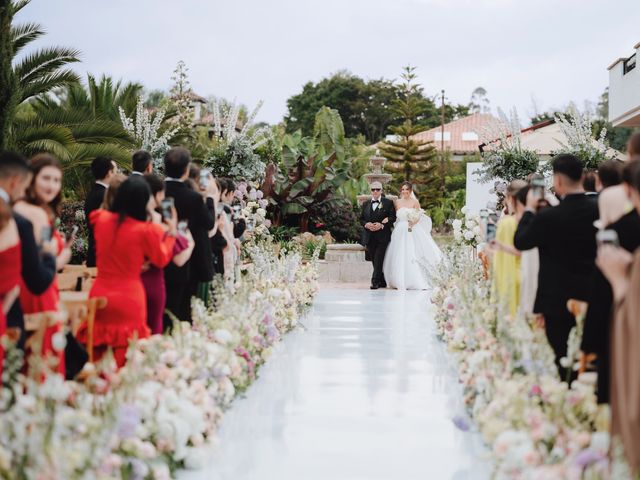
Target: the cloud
(252, 49)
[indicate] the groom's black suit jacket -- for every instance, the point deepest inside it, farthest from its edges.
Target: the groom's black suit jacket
(386, 209)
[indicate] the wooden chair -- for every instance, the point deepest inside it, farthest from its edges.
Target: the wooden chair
(578, 309)
(81, 309)
(76, 278)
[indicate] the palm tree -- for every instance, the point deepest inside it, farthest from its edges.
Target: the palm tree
(77, 124)
(36, 73)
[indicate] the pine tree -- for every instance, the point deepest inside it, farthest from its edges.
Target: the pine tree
(410, 159)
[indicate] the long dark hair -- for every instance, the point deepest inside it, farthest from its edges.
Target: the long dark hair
(132, 199)
(36, 164)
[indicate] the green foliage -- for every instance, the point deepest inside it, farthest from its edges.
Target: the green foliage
(338, 217)
(366, 107)
(35, 73)
(312, 168)
(409, 158)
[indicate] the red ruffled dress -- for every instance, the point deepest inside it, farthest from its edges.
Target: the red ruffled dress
(11, 261)
(44, 308)
(121, 250)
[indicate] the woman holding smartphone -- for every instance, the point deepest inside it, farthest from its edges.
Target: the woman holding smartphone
(153, 276)
(125, 240)
(41, 206)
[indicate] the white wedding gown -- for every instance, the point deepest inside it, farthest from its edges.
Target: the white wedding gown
(401, 267)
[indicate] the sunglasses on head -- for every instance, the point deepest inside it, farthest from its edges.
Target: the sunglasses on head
(376, 189)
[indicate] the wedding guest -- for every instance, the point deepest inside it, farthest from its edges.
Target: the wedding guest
(506, 259)
(622, 270)
(11, 268)
(219, 240)
(233, 227)
(103, 169)
(41, 206)
(112, 190)
(152, 276)
(614, 215)
(38, 264)
(609, 174)
(141, 163)
(125, 239)
(529, 262)
(633, 145)
(589, 182)
(199, 211)
(565, 238)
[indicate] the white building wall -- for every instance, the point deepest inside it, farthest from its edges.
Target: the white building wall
(478, 195)
(624, 94)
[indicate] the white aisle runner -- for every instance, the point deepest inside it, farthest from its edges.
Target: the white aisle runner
(366, 392)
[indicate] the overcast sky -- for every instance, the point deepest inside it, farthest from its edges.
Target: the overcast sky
(554, 51)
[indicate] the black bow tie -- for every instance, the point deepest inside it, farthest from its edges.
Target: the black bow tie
(375, 201)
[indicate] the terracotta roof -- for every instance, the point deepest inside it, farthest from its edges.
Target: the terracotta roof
(468, 125)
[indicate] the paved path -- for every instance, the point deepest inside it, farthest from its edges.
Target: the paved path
(366, 392)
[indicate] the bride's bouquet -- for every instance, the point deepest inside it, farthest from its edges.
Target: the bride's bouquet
(414, 217)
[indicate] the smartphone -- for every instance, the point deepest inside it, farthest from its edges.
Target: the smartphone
(166, 206)
(204, 178)
(607, 237)
(182, 227)
(72, 236)
(46, 234)
(538, 187)
(490, 232)
(484, 213)
(236, 211)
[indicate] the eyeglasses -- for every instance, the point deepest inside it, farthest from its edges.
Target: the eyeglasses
(376, 189)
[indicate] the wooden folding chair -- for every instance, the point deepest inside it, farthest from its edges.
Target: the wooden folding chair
(83, 309)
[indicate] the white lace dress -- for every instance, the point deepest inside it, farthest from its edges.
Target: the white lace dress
(406, 250)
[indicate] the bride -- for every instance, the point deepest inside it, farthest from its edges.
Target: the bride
(411, 243)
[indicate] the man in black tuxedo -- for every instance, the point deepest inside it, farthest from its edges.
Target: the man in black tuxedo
(38, 264)
(377, 219)
(199, 212)
(141, 163)
(565, 237)
(102, 168)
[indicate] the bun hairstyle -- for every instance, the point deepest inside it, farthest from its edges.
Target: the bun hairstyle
(408, 185)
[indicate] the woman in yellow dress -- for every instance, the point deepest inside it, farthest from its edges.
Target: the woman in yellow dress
(506, 258)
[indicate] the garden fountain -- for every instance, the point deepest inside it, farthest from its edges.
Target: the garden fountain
(377, 175)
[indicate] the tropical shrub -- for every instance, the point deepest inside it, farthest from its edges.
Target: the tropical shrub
(72, 214)
(312, 169)
(338, 217)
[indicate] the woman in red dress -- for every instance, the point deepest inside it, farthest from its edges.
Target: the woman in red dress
(10, 259)
(41, 312)
(124, 240)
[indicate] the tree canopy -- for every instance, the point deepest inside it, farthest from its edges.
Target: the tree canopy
(365, 106)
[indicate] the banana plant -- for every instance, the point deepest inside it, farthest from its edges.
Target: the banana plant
(312, 169)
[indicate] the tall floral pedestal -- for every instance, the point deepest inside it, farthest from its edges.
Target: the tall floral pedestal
(345, 263)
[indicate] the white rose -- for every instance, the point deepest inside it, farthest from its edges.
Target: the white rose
(465, 209)
(468, 235)
(477, 230)
(222, 335)
(59, 341)
(457, 224)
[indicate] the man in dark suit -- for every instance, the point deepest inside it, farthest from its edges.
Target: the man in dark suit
(38, 265)
(141, 163)
(597, 323)
(565, 237)
(377, 219)
(102, 168)
(199, 212)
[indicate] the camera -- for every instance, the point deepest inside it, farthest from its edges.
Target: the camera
(204, 178)
(46, 234)
(538, 187)
(166, 207)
